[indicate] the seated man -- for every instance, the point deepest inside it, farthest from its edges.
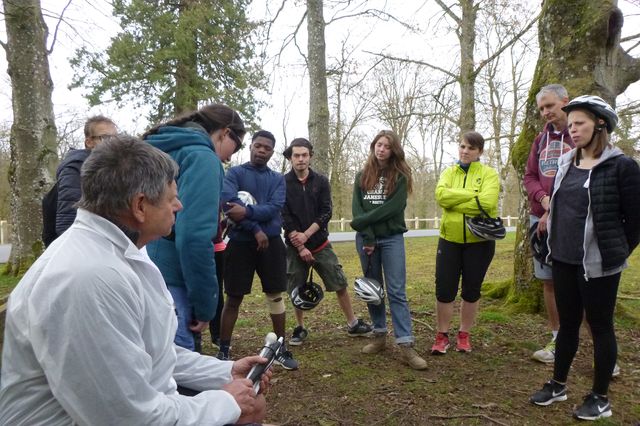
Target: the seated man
(90, 328)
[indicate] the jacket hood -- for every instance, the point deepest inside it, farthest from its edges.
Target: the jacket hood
(76, 155)
(171, 138)
(609, 152)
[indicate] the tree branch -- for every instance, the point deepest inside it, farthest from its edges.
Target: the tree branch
(629, 38)
(449, 12)
(376, 13)
(55, 33)
(507, 45)
(414, 61)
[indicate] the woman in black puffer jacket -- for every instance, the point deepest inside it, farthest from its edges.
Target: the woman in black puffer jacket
(597, 189)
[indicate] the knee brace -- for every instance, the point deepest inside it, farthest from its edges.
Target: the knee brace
(275, 302)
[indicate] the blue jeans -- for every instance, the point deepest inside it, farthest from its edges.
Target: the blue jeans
(184, 311)
(389, 258)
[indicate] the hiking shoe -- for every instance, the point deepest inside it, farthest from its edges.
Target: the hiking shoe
(550, 393)
(547, 354)
(441, 345)
(299, 335)
(222, 356)
(462, 342)
(378, 343)
(593, 408)
(361, 329)
(286, 361)
(616, 370)
(411, 357)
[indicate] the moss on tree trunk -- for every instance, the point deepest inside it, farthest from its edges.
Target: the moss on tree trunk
(580, 49)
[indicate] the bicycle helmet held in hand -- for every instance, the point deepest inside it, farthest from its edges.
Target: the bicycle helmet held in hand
(369, 290)
(539, 247)
(485, 226)
(597, 106)
(308, 295)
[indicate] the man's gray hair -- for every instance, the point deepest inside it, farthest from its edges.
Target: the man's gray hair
(558, 89)
(118, 169)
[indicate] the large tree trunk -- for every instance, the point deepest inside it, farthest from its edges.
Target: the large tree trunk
(318, 99)
(33, 133)
(579, 48)
(468, 72)
(186, 76)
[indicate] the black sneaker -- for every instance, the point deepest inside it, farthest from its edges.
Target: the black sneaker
(222, 356)
(593, 408)
(299, 335)
(286, 361)
(360, 329)
(550, 393)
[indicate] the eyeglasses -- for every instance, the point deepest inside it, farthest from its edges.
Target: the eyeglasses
(237, 141)
(101, 138)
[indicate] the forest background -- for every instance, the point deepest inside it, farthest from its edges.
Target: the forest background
(336, 71)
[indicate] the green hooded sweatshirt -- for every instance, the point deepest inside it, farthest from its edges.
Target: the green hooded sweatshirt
(377, 214)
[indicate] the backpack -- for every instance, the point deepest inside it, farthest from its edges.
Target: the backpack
(49, 211)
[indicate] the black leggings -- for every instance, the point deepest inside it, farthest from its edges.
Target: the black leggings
(597, 299)
(470, 261)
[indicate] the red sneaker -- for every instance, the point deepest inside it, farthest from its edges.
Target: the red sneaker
(463, 344)
(441, 345)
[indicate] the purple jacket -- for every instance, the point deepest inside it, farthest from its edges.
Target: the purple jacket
(542, 164)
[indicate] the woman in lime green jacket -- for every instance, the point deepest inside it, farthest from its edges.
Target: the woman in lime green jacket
(461, 254)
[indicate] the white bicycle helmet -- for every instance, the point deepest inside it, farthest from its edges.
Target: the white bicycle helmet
(597, 106)
(487, 228)
(247, 199)
(369, 290)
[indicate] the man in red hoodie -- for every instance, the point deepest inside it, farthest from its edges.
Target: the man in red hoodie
(549, 145)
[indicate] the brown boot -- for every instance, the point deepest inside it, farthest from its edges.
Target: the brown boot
(411, 357)
(378, 342)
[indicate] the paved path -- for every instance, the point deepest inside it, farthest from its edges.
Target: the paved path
(334, 237)
(5, 251)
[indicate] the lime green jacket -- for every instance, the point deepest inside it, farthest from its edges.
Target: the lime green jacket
(456, 192)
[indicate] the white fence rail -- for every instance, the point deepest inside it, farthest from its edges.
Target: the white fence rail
(342, 224)
(5, 234)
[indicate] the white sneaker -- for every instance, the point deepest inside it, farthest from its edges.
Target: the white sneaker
(546, 354)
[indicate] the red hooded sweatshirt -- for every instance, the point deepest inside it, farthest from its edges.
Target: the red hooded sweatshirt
(542, 164)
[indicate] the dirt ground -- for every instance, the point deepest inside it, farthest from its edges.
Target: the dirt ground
(337, 385)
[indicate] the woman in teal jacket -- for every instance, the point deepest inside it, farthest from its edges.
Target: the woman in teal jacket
(460, 253)
(199, 142)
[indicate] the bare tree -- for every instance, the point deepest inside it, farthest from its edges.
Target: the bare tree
(318, 99)
(33, 132)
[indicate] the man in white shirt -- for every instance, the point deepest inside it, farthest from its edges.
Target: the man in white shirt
(90, 328)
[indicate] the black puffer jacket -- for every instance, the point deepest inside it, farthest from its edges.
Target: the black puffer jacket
(69, 190)
(612, 226)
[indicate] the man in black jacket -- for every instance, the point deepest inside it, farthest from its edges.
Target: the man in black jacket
(96, 129)
(305, 217)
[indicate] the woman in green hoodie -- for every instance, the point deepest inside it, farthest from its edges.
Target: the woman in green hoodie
(379, 199)
(461, 254)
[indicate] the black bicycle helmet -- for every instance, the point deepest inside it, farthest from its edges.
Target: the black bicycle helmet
(539, 247)
(308, 295)
(488, 228)
(369, 290)
(597, 106)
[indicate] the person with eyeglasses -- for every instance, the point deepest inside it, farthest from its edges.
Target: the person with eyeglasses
(96, 129)
(199, 141)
